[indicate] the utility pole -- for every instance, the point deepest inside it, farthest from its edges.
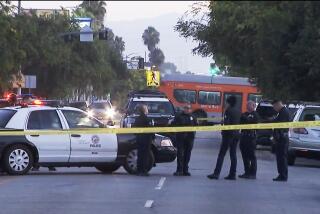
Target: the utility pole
(19, 6)
(19, 72)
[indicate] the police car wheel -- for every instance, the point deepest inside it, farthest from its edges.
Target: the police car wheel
(18, 160)
(130, 164)
(107, 169)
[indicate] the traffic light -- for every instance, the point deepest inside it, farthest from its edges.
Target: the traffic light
(141, 63)
(214, 69)
(103, 35)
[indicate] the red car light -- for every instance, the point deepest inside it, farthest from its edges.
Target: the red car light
(37, 102)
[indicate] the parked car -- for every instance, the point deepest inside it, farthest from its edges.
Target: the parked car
(83, 105)
(305, 142)
(266, 112)
(103, 111)
(161, 110)
(106, 152)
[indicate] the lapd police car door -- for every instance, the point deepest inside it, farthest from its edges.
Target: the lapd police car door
(89, 147)
(52, 148)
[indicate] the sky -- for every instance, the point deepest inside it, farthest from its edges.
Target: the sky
(122, 12)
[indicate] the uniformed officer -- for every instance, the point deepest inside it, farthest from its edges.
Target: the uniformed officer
(282, 141)
(230, 140)
(184, 141)
(143, 141)
(248, 142)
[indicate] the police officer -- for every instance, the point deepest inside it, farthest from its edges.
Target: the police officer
(143, 141)
(248, 142)
(230, 140)
(184, 141)
(282, 141)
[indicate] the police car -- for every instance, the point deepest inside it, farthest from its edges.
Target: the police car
(106, 152)
(161, 110)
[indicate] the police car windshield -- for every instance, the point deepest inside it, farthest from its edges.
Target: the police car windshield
(5, 116)
(162, 108)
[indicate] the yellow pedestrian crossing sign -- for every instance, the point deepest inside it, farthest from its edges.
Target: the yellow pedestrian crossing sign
(153, 78)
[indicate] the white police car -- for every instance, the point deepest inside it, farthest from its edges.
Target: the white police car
(106, 152)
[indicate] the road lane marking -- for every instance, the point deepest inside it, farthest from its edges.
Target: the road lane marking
(148, 204)
(161, 182)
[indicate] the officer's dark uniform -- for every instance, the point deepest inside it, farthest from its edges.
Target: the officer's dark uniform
(282, 142)
(230, 140)
(144, 144)
(184, 142)
(248, 144)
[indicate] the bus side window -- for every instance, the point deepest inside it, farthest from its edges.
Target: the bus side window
(209, 98)
(184, 96)
(254, 97)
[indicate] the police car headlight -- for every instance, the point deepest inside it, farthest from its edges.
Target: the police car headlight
(110, 112)
(166, 142)
(90, 113)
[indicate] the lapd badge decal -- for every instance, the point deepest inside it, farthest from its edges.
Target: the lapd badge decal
(95, 142)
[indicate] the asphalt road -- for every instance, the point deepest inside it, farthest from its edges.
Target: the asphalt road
(85, 190)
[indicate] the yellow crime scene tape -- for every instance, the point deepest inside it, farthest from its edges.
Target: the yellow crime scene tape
(299, 124)
(210, 119)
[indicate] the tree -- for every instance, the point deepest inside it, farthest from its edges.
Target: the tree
(168, 67)
(151, 38)
(276, 43)
(72, 70)
(156, 57)
(97, 8)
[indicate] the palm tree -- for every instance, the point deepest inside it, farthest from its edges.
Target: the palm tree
(97, 8)
(156, 57)
(151, 38)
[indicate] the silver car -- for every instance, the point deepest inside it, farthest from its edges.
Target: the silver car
(305, 142)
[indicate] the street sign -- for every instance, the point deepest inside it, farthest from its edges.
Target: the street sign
(30, 81)
(86, 34)
(153, 78)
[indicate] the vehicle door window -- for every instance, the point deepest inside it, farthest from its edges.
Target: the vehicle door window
(5, 116)
(209, 98)
(77, 119)
(185, 96)
(312, 114)
(265, 111)
(44, 119)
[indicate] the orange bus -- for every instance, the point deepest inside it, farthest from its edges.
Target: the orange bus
(207, 95)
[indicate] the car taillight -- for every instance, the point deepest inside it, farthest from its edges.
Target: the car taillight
(300, 131)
